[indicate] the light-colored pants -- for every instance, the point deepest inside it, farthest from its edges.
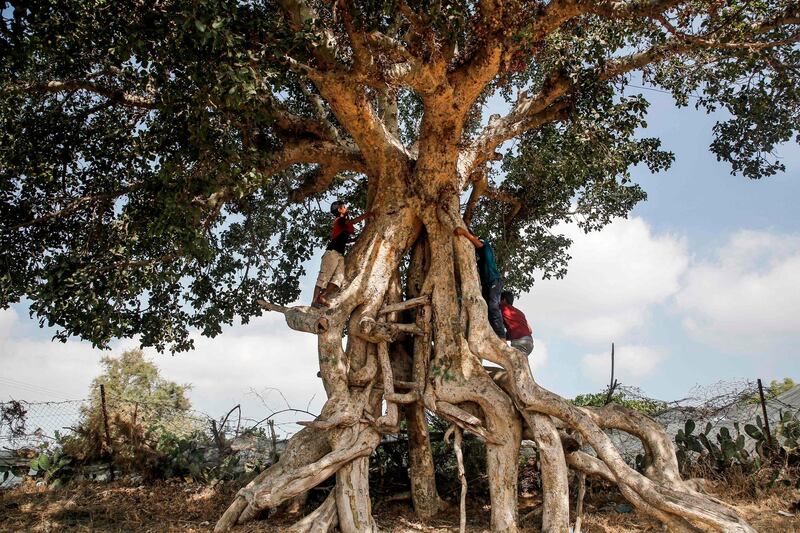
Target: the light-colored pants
(331, 269)
(523, 344)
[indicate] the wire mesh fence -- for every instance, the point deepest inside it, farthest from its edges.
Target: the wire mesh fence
(29, 424)
(725, 404)
(26, 427)
(112, 429)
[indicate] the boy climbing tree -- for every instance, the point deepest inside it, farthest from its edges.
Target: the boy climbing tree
(518, 330)
(491, 284)
(331, 270)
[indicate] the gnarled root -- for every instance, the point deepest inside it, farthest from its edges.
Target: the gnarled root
(305, 447)
(669, 500)
(306, 462)
(553, 468)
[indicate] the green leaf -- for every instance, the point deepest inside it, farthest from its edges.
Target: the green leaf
(753, 432)
(728, 449)
(689, 426)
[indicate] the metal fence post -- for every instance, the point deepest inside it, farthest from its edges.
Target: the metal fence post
(764, 412)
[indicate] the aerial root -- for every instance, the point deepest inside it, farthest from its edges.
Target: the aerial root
(553, 466)
(456, 431)
(390, 419)
(669, 500)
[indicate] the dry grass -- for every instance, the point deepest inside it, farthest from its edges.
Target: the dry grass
(177, 506)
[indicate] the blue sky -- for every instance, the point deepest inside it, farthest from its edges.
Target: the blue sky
(700, 284)
(721, 254)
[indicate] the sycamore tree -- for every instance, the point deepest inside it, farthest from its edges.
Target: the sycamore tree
(162, 165)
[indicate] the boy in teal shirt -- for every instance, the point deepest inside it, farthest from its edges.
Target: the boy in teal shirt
(491, 284)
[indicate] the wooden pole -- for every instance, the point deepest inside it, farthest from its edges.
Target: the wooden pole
(107, 430)
(764, 412)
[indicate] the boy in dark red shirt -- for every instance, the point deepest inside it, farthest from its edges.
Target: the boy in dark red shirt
(518, 331)
(331, 270)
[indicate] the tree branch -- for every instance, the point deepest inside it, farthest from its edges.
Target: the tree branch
(549, 104)
(343, 90)
(528, 113)
(335, 157)
(78, 203)
(290, 123)
(115, 95)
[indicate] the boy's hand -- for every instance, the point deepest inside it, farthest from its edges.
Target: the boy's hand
(369, 215)
(460, 232)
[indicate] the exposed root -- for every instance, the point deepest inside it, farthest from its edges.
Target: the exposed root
(275, 489)
(590, 465)
(305, 447)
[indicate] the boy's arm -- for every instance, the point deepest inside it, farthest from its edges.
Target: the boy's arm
(368, 214)
(476, 242)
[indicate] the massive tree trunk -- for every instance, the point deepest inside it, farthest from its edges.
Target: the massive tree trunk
(441, 333)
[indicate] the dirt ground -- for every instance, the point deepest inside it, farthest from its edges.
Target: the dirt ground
(189, 507)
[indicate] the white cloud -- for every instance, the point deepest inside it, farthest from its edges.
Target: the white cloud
(747, 298)
(8, 320)
(632, 363)
(614, 278)
(38, 369)
(538, 357)
(222, 371)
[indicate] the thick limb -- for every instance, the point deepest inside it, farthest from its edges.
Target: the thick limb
(323, 519)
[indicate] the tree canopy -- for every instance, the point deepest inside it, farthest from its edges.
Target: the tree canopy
(162, 165)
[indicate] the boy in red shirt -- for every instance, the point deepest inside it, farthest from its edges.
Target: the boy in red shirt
(518, 331)
(331, 270)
